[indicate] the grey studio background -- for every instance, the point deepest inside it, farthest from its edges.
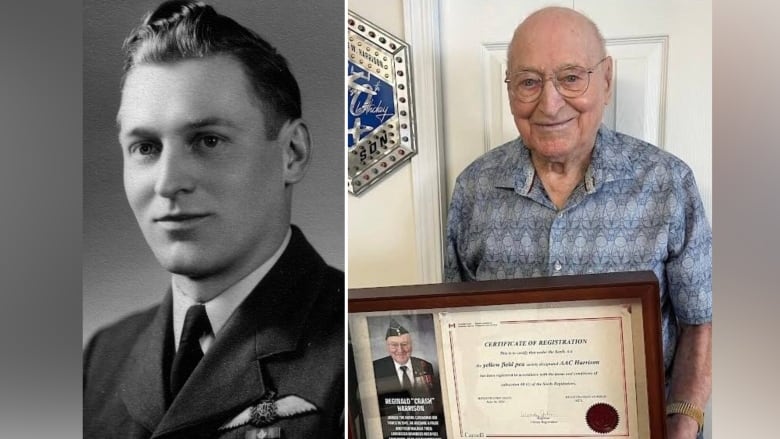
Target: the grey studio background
(120, 273)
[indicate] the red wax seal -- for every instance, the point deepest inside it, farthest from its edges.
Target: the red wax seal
(602, 418)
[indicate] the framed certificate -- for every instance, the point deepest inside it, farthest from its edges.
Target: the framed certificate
(564, 357)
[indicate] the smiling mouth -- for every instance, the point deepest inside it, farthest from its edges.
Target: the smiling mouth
(552, 124)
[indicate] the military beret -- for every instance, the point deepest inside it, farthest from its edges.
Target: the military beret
(395, 329)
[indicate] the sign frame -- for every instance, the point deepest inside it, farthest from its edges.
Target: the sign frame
(380, 123)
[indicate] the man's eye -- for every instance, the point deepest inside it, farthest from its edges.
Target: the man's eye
(571, 76)
(209, 141)
(145, 148)
(528, 82)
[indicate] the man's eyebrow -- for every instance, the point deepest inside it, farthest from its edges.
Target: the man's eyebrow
(189, 126)
(568, 65)
(139, 132)
(524, 68)
(210, 121)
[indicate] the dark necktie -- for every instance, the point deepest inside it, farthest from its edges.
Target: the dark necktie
(196, 324)
(406, 384)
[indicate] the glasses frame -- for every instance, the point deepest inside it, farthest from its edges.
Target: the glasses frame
(554, 78)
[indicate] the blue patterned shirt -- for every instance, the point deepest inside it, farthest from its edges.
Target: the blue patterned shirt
(638, 208)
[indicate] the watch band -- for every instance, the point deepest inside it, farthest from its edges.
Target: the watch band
(687, 409)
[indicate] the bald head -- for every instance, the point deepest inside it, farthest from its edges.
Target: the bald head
(554, 26)
(559, 43)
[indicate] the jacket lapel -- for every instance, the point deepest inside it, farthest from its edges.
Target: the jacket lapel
(228, 379)
(143, 382)
(233, 375)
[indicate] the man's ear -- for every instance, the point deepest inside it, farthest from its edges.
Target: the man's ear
(295, 142)
(608, 78)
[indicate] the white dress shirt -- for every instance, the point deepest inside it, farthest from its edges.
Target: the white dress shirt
(221, 308)
(400, 373)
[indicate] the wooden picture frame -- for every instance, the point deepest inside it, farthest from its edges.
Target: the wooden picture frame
(452, 325)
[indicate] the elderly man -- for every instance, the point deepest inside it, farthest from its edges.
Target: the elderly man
(400, 376)
(399, 372)
(570, 196)
(248, 340)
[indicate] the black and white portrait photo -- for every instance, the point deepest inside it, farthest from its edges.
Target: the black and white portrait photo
(213, 219)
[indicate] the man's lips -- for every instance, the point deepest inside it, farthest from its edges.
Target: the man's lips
(178, 217)
(181, 220)
(552, 125)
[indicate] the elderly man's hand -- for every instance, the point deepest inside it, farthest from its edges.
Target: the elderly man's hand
(681, 427)
(691, 377)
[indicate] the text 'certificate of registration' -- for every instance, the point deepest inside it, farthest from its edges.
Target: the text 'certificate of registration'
(541, 372)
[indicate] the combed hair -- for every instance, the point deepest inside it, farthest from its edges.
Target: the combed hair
(182, 29)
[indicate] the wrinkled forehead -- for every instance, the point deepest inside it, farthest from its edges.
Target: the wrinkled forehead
(554, 39)
(405, 338)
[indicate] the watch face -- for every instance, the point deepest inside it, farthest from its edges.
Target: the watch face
(380, 123)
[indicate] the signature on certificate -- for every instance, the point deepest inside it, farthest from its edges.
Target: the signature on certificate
(542, 415)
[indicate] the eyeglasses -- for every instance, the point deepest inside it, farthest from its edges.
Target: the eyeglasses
(571, 82)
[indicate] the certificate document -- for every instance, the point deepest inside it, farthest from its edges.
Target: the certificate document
(540, 372)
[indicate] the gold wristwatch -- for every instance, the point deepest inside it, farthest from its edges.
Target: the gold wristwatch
(687, 409)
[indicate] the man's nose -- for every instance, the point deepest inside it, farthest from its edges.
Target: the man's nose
(175, 172)
(550, 101)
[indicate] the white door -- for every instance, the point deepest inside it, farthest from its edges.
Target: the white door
(662, 53)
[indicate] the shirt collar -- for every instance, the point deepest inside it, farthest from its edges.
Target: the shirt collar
(609, 162)
(408, 364)
(220, 308)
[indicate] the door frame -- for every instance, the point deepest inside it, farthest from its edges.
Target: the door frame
(421, 24)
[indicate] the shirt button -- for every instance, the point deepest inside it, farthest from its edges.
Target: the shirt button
(560, 215)
(557, 266)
